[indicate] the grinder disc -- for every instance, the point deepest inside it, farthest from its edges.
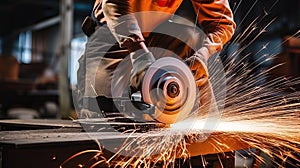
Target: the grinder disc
(170, 86)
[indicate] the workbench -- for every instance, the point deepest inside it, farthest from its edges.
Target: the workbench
(48, 143)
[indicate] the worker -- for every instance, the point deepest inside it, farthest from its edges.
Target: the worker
(121, 30)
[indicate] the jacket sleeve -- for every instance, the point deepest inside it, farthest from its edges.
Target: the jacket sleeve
(216, 19)
(121, 22)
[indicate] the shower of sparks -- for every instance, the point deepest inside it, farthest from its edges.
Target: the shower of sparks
(262, 115)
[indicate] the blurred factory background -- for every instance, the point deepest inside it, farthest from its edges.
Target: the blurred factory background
(41, 42)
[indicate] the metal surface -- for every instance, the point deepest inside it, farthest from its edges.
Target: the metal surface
(169, 85)
(50, 147)
(33, 124)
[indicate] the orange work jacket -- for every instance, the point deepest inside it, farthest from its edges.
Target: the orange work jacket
(214, 16)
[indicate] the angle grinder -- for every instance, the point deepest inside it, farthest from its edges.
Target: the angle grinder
(169, 86)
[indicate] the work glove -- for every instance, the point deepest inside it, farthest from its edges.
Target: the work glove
(198, 65)
(140, 63)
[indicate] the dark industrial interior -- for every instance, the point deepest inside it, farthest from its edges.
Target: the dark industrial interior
(41, 42)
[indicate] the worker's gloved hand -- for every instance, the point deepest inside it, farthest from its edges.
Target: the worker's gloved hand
(140, 63)
(198, 65)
